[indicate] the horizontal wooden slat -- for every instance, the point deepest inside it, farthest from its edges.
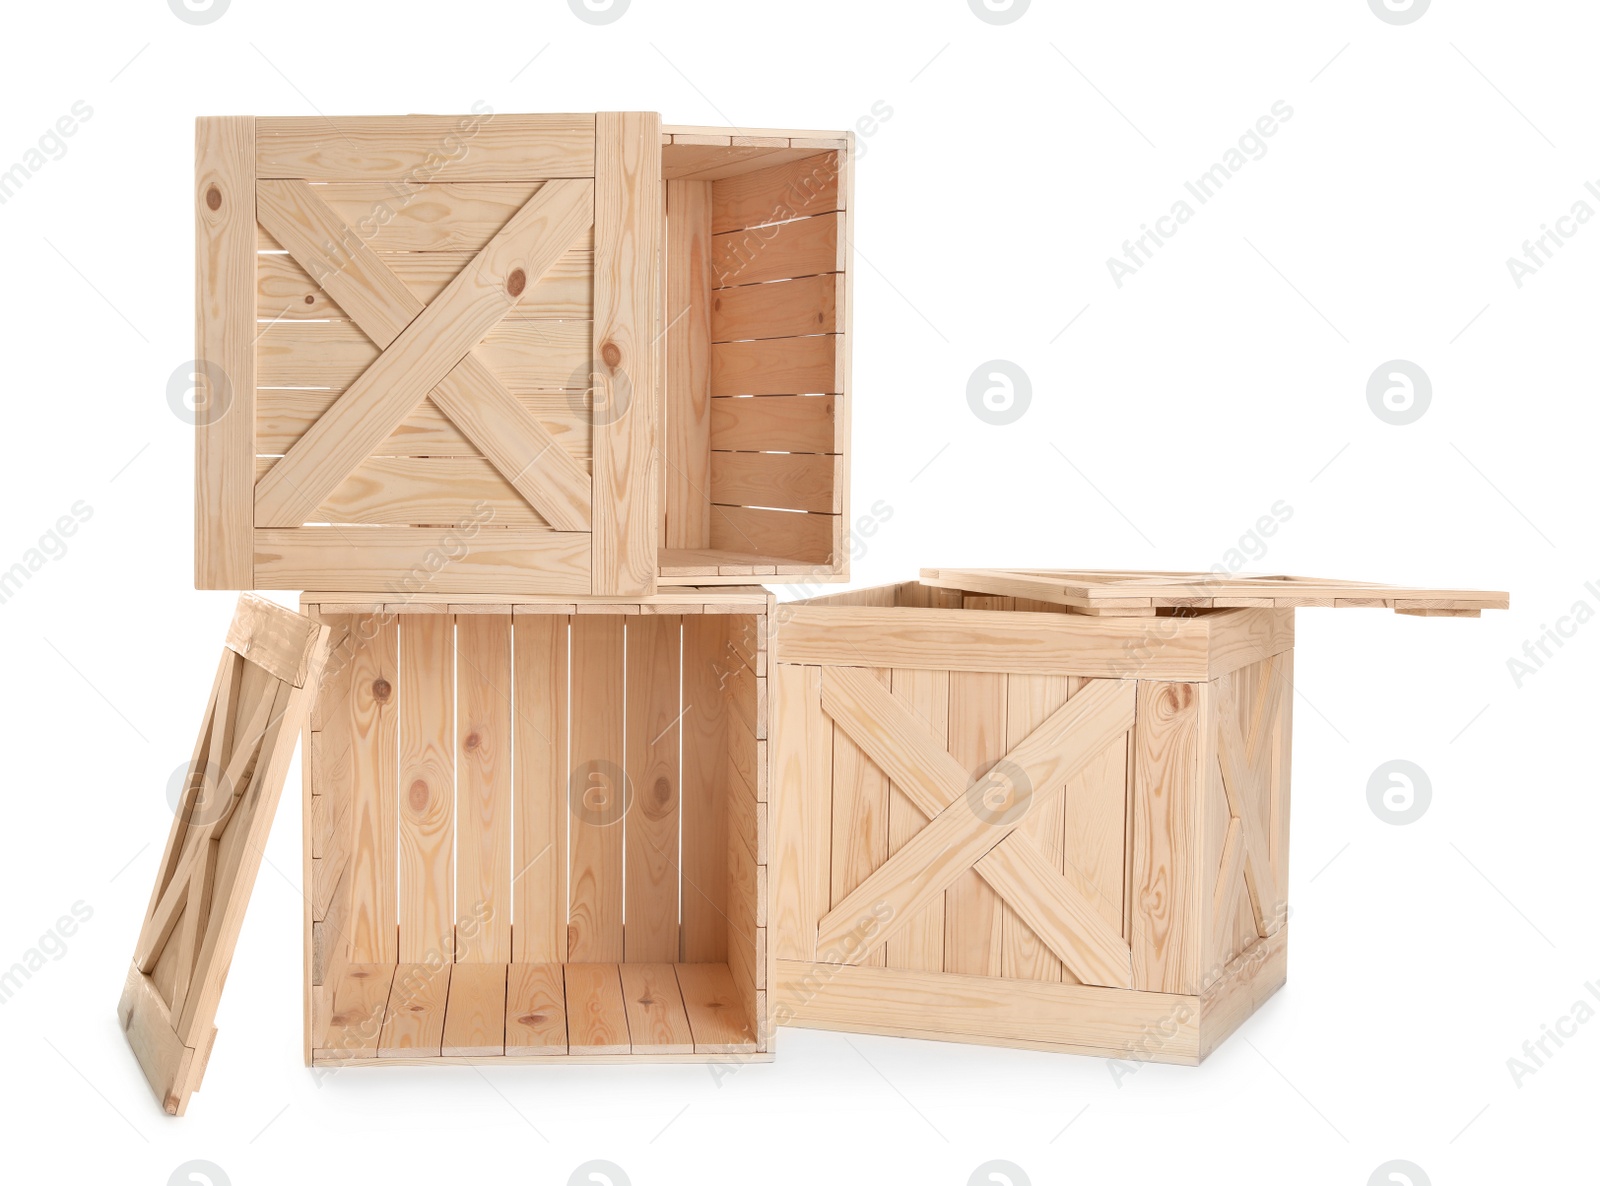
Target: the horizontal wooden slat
(791, 189)
(951, 1007)
(283, 415)
(800, 537)
(784, 308)
(403, 560)
(284, 292)
(776, 423)
(804, 247)
(991, 640)
(421, 490)
(778, 366)
(682, 161)
(414, 148)
(526, 356)
(273, 638)
(797, 481)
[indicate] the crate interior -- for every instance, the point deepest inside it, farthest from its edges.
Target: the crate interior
(536, 833)
(916, 595)
(756, 362)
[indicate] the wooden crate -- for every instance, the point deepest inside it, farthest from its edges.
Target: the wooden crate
(757, 370)
(500, 353)
(536, 830)
(1008, 809)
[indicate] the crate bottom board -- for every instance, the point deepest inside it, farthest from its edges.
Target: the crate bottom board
(414, 1014)
(1032, 1014)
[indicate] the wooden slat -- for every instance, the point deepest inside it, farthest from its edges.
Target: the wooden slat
(359, 999)
(597, 794)
(597, 1020)
(796, 481)
(427, 798)
(1024, 953)
(792, 189)
(918, 946)
(484, 146)
(972, 908)
(776, 423)
(627, 222)
(373, 725)
(424, 353)
(800, 537)
(449, 220)
(527, 357)
(651, 832)
(657, 1023)
(483, 788)
(475, 1015)
(706, 730)
(539, 854)
(285, 292)
(860, 827)
(402, 560)
(688, 313)
(414, 1018)
(225, 360)
(1057, 917)
(939, 639)
(683, 160)
(536, 1011)
(776, 366)
(788, 308)
(806, 247)
(802, 765)
(146, 1022)
(1169, 749)
(719, 1019)
(282, 417)
(403, 491)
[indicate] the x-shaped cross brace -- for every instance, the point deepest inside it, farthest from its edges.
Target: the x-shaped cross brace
(958, 837)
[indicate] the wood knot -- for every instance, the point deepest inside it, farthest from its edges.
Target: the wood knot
(532, 1019)
(213, 198)
(661, 792)
(611, 354)
(381, 690)
(310, 299)
(516, 282)
(473, 741)
(418, 796)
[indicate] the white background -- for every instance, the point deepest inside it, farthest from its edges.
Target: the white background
(1228, 374)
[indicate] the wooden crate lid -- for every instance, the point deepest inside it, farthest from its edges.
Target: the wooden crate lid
(1106, 591)
(271, 664)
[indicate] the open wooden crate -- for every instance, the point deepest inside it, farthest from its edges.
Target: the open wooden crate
(536, 830)
(494, 353)
(1041, 809)
(757, 374)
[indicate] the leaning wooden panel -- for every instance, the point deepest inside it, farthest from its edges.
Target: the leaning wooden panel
(214, 848)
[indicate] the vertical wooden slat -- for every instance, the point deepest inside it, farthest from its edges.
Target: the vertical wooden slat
(1095, 840)
(860, 817)
(800, 799)
(1172, 721)
(539, 852)
(977, 740)
(1276, 762)
(597, 790)
(651, 836)
(687, 381)
(1029, 700)
(374, 694)
(707, 660)
(483, 788)
(427, 788)
(627, 230)
(225, 357)
(846, 319)
(920, 946)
